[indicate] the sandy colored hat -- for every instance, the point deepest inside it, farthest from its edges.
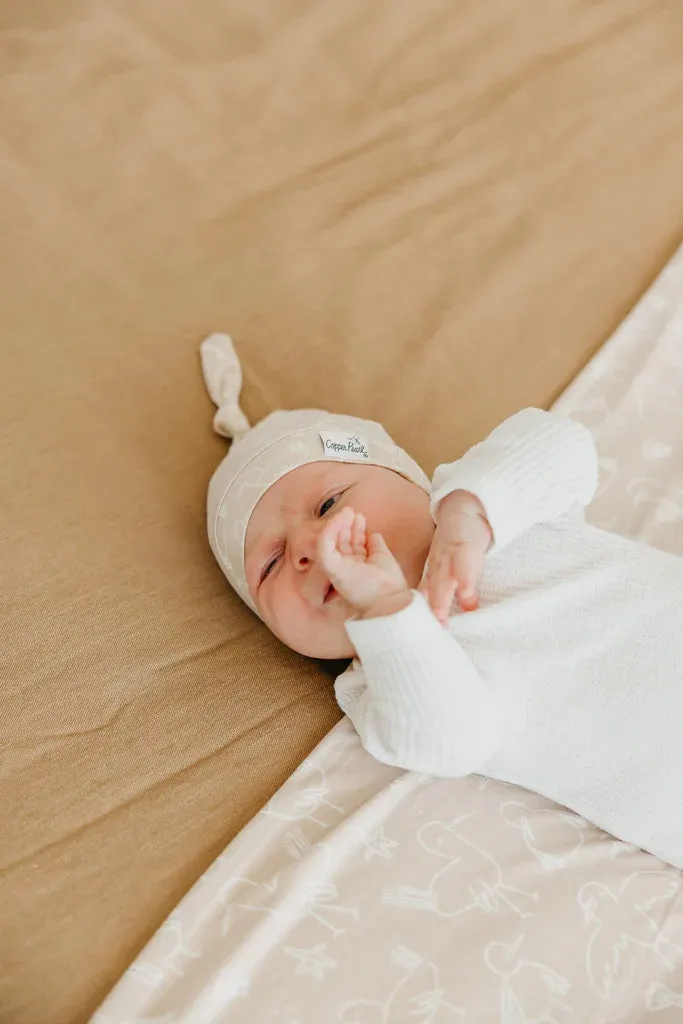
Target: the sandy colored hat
(281, 442)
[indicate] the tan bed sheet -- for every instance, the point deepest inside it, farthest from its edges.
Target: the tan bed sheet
(431, 213)
(365, 895)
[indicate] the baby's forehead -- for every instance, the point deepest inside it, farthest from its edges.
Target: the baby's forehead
(299, 482)
(288, 490)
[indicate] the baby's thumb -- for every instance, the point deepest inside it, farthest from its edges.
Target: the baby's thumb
(425, 585)
(377, 545)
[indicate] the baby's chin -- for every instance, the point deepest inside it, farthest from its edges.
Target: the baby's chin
(326, 641)
(334, 648)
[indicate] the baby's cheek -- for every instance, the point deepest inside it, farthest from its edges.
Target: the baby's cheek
(285, 612)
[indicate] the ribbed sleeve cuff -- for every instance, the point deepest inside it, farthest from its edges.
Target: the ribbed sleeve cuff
(385, 633)
(531, 469)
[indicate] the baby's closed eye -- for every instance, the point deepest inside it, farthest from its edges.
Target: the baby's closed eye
(323, 509)
(328, 504)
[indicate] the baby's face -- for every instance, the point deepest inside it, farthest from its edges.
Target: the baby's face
(286, 580)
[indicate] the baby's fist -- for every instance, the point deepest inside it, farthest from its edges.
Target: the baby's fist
(456, 557)
(361, 568)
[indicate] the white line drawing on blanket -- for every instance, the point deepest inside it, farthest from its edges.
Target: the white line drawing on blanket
(661, 997)
(530, 992)
(567, 835)
(148, 973)
(293, 803)
(652, 449)
(313, 960)
(470, 879)
(656, 503)
(485, 783)
(296, 844)
(175, 960)
(574, 828)
(377, 844)
(609, 473)
(625, 928)
(418, 996)
(315, 900)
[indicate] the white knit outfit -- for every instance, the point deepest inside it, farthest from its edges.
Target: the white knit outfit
(569, 678)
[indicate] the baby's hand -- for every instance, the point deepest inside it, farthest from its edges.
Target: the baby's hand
(456, 557)
(361, 568)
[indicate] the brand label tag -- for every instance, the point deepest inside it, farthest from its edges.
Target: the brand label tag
(345, 447)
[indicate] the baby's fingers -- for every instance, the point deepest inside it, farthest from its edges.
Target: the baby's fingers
(452, 571)
(358, 535)
(439, 587)
(335, 540)
(467, 563)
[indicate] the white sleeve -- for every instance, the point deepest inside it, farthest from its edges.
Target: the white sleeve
(417, 702)
(534, 468)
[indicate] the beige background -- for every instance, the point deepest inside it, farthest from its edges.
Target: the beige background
(429, 213)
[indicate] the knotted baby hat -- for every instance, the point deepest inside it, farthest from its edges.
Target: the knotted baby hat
(281, 442)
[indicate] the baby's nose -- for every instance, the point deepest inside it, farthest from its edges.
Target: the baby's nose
(304, 546)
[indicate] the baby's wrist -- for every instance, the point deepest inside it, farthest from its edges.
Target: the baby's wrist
(464, 502)
(388, 604)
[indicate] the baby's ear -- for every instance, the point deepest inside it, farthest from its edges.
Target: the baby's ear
(223, 377)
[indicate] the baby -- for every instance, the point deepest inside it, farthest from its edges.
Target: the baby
(533, 648)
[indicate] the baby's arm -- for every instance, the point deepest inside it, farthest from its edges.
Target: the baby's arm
(533, 468)
(418, 702)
